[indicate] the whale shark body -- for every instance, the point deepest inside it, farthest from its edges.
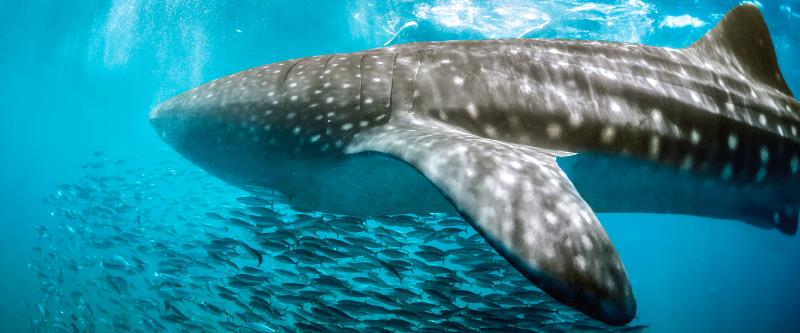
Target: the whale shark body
(525, 138)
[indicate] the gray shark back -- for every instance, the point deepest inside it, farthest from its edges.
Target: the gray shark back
(526, 139)
(713, 120)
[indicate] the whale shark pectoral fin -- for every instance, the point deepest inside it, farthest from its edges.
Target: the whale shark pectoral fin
(519, 199)
(742, 40)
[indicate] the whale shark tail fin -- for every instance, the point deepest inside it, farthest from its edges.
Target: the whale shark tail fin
(742, 40)
(523, 204)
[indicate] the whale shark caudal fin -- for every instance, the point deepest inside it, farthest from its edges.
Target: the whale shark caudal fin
(742, 40)
(522, 203)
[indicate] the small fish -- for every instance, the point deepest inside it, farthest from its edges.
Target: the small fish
(239, 222)
(253, 201)
(115, 262)
(390, 268)
(253, 252)
(258, 327)
(215, 216)
(285, 259)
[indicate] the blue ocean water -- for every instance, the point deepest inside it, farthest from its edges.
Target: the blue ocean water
(94, 204)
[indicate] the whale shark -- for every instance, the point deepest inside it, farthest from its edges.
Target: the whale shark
(527, 139)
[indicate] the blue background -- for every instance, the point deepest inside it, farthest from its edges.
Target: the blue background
(80, 76)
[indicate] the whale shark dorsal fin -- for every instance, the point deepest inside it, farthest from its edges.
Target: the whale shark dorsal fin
(742, 39)
(522, 203)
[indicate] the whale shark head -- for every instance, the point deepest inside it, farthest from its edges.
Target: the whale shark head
(477, 127)
(231, 121)
(202, 127)
(287, 110)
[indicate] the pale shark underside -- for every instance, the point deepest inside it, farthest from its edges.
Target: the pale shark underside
(524, 138)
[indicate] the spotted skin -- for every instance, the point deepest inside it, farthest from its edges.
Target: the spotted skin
(518, 198)
(526, 139)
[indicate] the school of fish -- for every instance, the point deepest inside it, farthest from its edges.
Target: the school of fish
(167, 248)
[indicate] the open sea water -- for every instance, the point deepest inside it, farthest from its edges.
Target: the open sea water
(103, 228)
